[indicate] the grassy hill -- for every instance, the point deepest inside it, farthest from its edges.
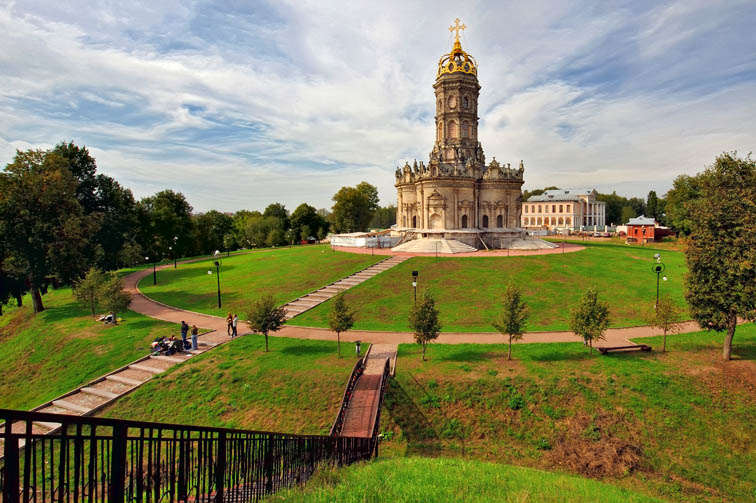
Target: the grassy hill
(286, 273)
(678, 423)
(426, 480)
(468, 290)
(294, 388)
(62, 348)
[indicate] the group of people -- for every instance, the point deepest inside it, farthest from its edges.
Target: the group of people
(232, 320)
(185, 331)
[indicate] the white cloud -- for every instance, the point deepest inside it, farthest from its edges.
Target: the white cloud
(289, 101)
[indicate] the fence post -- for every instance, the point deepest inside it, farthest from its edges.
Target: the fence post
(269, 465)
(220, 467)
(10, 467)
(118, 464)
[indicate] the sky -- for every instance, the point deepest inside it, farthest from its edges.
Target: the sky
(240, 104)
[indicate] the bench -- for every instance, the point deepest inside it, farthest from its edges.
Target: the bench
(640, 347)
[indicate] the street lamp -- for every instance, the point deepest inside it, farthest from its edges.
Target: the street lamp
(217, 272)
(175, 253)
(658, 268)
(414, 283)
(154, 272)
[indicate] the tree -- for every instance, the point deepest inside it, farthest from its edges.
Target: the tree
(263, 316)
(666, 316)
(652, 205)
(165, 216)
(211, 229)
(340, 319)
(513, 316)
(279, 211)
(354, 207)
(42, 225)
(306, 215)
(590, 318)
(305, 233)
(275, 237)
(424, 322)
(88, 290)
(685, 189)
(721, 251)
(113, 297)
(627, 213)
(384, 217)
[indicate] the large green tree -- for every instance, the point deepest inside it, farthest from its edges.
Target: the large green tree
(307, 216)
(384, 217)
(279, 211)
(211, 229)
(354, 207)
(165, 221)
(42, 224)
(721, 251)
(685, 189)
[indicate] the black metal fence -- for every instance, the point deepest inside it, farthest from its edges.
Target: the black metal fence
(357, 371)
(107, 460)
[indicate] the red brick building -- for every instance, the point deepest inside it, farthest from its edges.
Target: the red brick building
(644, 230)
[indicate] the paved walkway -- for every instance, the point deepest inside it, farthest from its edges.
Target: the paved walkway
(148, 307)
(563, 248)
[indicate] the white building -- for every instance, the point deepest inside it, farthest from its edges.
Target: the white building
(564, 209)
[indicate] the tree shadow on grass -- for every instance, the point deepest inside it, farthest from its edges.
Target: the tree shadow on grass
(466, 356)
(556, 356)
(417, 431)
(308, 349)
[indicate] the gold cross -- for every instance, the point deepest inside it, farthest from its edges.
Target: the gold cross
(456, 28)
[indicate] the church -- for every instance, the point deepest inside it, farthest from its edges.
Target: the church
(457, 197)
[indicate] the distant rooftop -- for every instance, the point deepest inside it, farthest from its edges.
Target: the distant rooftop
(561, 195)
(641, 220)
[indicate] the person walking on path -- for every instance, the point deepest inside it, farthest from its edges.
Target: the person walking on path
(230, 322)
(195, 331)
(235, 321)
(184, 331)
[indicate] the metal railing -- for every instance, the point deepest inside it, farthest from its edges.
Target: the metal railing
(108, 460)
(357, 371)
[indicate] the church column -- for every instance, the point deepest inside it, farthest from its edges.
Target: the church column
(456, 210)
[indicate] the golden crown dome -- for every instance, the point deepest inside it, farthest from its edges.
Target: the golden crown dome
(457, 61)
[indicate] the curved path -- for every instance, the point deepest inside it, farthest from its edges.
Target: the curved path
(149, 307)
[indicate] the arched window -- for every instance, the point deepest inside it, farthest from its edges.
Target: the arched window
(539, 221)
(452, 130)
(465, 129)
(525, 221)
(553, 221)
(414, 222)
(464, 221)
(499, 222)
(561, 221)
(568, 220)
(485, 221)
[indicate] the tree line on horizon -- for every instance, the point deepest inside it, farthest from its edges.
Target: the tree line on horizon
(59, 217)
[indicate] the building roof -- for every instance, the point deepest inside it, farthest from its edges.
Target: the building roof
(641, 220)
(561, 195)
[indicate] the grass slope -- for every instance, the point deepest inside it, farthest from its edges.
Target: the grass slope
(425, 480)
(468, 290)
(62, 348)
(294, 388)
(286, 273)
(677, 424)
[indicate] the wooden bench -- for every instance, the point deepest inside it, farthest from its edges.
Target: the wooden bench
(639, 347)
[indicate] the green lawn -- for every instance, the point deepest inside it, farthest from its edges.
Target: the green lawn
(677, 424)
(62, 348)
(295, 388)
(425, 480)
(287, 273)
(468, 290)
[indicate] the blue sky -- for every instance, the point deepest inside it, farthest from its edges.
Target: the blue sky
(239, 104)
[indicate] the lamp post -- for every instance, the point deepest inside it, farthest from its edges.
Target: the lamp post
(217, 273)
(658, 268)
(154, 271)
(175, 252)
(414, 284)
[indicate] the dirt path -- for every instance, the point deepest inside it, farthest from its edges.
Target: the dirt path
(148, 307)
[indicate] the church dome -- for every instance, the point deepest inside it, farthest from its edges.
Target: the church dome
(457, 61)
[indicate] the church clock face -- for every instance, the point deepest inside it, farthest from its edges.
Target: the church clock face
(453, 102)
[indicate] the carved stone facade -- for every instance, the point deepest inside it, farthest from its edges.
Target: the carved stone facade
(456, 195)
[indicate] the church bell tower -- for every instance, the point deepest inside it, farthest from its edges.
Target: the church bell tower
(457, 92)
